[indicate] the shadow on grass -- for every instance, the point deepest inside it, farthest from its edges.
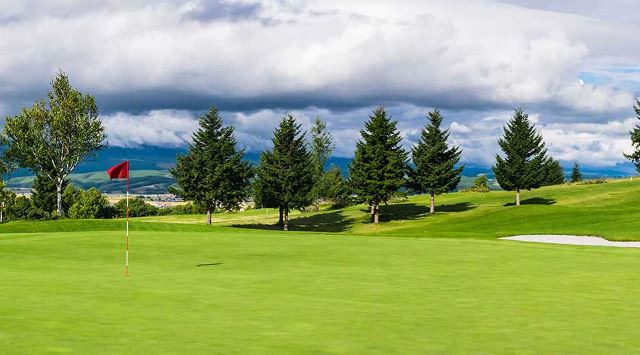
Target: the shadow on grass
(412, 211)
(333, 222)
(209, 264)
(534, 201)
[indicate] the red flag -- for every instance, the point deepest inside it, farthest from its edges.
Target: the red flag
(120, 171)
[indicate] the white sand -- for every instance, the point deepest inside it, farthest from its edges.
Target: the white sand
(572, 240)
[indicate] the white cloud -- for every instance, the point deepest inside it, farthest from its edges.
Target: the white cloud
(171, 128)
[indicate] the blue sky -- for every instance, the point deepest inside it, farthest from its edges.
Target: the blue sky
(154, 67)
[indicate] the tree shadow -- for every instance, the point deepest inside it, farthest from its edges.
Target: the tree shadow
(412, 211)
(332, 222)
(534, 201)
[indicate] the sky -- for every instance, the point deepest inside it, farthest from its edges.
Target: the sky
(155, 67)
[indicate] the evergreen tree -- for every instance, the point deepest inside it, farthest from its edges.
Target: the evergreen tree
(321, 148)
(525, 154)
(286, 172)
(213, 173)
(435, 161)
(552, 171)
(576, 174)
(635, 140)
(379, 166)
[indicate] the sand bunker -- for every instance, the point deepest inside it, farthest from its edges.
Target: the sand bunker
(573, 240)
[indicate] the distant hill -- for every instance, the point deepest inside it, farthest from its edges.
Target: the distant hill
(150, 170)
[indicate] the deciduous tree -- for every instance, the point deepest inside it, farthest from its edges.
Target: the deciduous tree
(52, 137)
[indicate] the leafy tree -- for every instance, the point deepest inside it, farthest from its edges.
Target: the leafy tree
(286, 172)
(69, 197)
(435, 161)
(137, 208)
(635, 139)
(380, 164)
(321, 148)
(7, 199)
(212, 173)
(552, 171)
(91, 204)
(334, 187)
(576, 174)
(525, 154)
(43, 195)
(481, 184)
(51, 138)
(21, 208)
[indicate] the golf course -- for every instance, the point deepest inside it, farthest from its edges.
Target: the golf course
(334, 283)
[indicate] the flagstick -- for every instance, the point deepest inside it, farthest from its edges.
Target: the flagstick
(126, 253)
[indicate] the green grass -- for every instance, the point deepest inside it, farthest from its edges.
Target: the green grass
(334, 284)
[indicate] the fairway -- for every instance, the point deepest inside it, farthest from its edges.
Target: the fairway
(256, 292)
(416, 283)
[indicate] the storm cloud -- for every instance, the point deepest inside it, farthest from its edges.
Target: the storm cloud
(157, 66)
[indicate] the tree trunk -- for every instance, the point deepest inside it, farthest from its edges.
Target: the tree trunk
(59, 197)
(517, 197)
(2, 214)
(376, 213)
(286, 219)
(372, 209)
(280, 218)
(208, 216)
(432, 207)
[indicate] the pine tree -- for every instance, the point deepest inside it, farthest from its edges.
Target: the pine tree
(435, 161)
(635, 140)
(213, 174)
(576, 174)
(380, 164)
(286, 172)
(552, 173)
(525, 154)
(321, 148)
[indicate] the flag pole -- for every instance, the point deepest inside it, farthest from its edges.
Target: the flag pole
(126, 253)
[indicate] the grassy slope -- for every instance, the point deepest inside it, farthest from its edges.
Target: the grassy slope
(331, 285)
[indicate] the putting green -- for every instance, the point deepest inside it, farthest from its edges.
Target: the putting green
(246, 291)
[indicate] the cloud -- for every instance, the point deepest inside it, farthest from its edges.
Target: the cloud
(154, 67)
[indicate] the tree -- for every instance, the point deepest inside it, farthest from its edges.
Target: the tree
(51, 138)
(43, 195)
(69, 197)
(481, 184)
(380, 163)
(91, 204)
(286, 172)
(635, 139)
(576, 174)
(321, 148)
(7, 199)
(435, 161)
(334, 187)
(552, 172)
(137, 208)
(525, 154)
(213, 172)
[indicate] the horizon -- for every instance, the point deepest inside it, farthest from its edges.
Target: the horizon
(154, 69)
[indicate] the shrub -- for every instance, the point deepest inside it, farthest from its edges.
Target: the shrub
(481, 184)
(91, 204)
(137, 208)
(20, 208)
